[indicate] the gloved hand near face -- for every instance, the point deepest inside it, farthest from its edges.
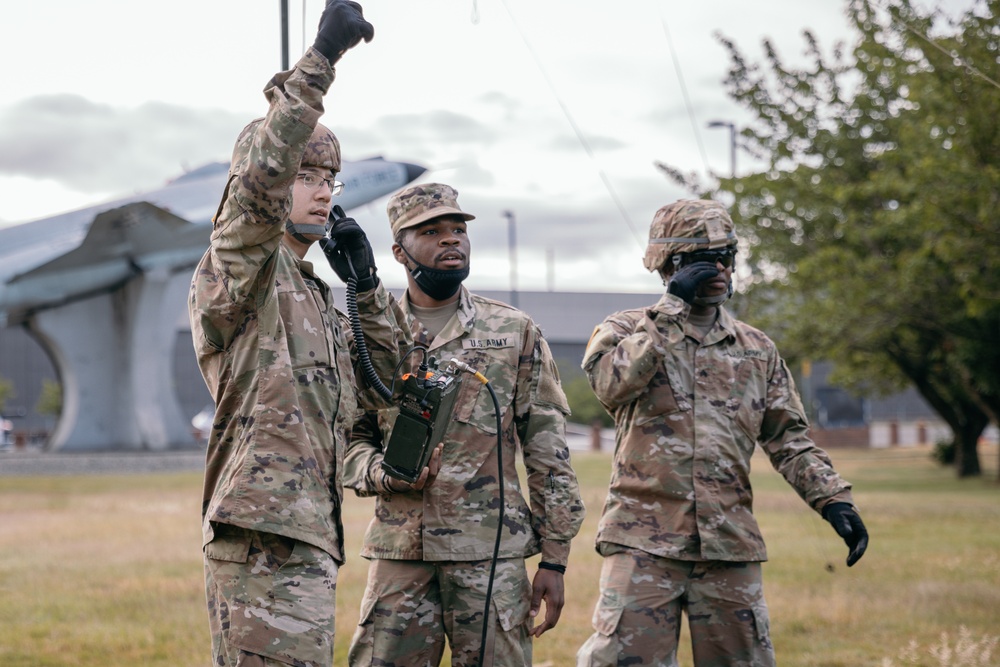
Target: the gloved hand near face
(686, 281)
(347, 246)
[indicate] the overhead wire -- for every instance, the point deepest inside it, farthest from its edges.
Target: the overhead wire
(576, 129)
(684, 94)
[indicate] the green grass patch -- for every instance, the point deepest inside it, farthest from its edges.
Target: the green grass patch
(99, 571)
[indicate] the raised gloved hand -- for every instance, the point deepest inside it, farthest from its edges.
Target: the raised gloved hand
(685, 282)
(848, 524)
(347, 241)
(341, 27)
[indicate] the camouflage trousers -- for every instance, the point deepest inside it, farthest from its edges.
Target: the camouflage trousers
(411, 607)
(637, 620)
(271, 600)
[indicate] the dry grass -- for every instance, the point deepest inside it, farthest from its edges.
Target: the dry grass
(106, 571)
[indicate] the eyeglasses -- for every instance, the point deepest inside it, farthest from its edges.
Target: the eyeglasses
(312, 181)
(725, 256)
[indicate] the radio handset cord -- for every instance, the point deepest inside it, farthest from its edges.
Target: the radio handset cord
(364, 358)
(496, 546)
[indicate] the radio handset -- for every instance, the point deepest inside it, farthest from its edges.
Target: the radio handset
(332, 249)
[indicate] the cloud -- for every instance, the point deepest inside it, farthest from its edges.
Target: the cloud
(568, 142)
(438, 126)
(88, 146)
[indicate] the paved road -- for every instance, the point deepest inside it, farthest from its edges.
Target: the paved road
(99, 463)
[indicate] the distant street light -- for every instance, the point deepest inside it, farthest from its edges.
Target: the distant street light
(732, 143)
(512, 245)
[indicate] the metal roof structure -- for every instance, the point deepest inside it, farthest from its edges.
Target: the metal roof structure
(101, 289)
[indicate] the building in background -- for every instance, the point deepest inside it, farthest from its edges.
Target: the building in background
(567, 320)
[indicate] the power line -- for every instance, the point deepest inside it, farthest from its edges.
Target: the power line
(684, 93)
(579, 134)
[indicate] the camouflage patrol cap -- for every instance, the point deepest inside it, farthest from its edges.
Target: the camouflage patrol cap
(419, 203)
(323, 149)
(687, 225)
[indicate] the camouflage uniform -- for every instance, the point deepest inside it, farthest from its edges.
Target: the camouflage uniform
(275, 355)
(450, 526)
(677, 524)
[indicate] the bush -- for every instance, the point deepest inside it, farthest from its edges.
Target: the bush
(6, 391)
(585, 406)
(944, 452)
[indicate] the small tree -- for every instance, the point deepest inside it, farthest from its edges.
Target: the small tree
(6, 392)
(50, 400)
(585, 406)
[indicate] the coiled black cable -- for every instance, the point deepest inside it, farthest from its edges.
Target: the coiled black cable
(364, 358)
(496, 545)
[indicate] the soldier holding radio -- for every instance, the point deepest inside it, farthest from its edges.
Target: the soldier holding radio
(432, 539)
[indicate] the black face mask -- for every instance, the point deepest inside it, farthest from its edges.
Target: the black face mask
(438, 284)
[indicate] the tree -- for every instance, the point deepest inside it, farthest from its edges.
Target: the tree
(50, 399)
(583, 403)
(872, 228)
(6, 392)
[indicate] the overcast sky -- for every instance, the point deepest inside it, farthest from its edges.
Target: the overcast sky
(109, 97)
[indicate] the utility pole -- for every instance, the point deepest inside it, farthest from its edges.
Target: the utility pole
(512, 246)
(732, 143)
(284, 35)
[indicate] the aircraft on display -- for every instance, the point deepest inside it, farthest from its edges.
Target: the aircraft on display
(102, 289)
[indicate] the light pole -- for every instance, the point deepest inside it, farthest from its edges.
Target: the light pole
(512, 245)
(732, 143)
(284, 34)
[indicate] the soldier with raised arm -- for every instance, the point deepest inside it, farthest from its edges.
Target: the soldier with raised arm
(277, 358)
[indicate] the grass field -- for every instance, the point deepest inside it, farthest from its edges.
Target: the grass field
(106, 571)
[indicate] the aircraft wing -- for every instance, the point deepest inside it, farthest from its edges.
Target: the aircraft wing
(73, 255)
(131, 233)
(120, 243)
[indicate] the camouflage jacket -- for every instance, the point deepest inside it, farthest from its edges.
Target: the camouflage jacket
(688, 414)
(455, 517)
(272, 349)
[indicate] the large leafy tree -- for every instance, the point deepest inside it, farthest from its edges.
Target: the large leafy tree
(873, 229)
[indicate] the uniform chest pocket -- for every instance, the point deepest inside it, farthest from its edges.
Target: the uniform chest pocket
(748, 396)
(307, 328)
(659, 400)
(474, 404)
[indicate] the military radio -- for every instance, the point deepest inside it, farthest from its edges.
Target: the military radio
(425, 408)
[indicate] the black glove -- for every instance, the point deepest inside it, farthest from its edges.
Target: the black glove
(684, 283)
(848, 524)
(342, 26)
(346, 241)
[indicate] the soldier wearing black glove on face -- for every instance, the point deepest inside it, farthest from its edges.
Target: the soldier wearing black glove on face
(341, 27)
(685, 283)
(703, 390)
(848, 524)
(347, 247)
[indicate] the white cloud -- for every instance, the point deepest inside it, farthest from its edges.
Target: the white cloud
(146, 91)
(85, 146)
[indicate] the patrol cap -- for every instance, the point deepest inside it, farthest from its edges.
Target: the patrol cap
(322, 150)
(688, 225)
(419, 203)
